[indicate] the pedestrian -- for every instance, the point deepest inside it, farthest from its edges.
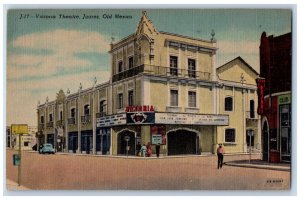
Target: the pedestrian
(149, 150)
(138, 148)
(157, 148)
(143, 150)
(220, 153)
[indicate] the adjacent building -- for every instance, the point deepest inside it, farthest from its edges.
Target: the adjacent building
(164, 89)
(275, 94)
(27, 140)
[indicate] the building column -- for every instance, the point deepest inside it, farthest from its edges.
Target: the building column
(78, 124)
(66, 127)
(94, 123)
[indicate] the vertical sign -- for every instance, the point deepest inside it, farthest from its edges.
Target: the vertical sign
(260, 92)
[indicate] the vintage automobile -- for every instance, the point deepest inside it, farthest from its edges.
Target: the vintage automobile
(47, 148)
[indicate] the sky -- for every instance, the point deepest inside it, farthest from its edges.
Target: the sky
(45, 55)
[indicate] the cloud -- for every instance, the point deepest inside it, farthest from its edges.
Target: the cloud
(248, 50)
(65, 42)
(48, 53)
(40, 64)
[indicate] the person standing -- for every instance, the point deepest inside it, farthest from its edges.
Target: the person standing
(149, 150)
(220, 153)
(138, 148)
(143, 150)
(157, 148)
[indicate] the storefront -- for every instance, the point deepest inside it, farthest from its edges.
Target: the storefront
(176, 133)
(284, 102)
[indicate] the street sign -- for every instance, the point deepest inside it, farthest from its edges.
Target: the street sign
(16, 159)
(156, 139)
(19, 129)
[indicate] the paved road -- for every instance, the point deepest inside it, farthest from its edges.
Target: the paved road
(81, 172)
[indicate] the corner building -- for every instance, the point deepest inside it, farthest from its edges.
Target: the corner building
(164, 89)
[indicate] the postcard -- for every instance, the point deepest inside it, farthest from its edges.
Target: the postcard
(149, 99)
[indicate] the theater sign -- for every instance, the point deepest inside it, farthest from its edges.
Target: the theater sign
(193, 119)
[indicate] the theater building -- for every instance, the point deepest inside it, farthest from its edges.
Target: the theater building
(164, 89)
(275, 96)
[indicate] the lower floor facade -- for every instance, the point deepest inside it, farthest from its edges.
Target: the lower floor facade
(174, 137)
(276, 128)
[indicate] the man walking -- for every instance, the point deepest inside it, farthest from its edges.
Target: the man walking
(157, 148)
(220, 153)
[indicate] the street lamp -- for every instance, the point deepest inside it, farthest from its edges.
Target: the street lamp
(243, 110)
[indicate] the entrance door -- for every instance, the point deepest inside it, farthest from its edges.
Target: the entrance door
(182, 142)
(87, 141)
(73, 142)
(50, 139)
(285, 124)
(122, 143)
(265, 142)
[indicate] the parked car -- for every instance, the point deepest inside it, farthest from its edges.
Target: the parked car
(47, 148)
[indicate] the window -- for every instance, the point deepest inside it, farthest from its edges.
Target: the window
(42, 119)
(120, 66)
(73, 112)
(173, 65)
(130, 98)
(120, 101)
(61, 115)
(26, 144)
(250, 137)
(230, 135)
(252, 112)
(50, 118)
(102, 108)
(192, 99)
(87, 109)
(192, 68)
(130, 62)
(228, 104)
(174, 97)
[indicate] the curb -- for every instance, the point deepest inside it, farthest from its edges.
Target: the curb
(259, 166)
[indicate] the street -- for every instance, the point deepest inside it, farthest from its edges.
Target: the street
(82, 172)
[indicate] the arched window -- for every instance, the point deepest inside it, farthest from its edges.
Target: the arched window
(228, 104)
(87, 109)
(102, 108)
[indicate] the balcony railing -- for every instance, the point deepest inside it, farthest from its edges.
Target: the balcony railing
(49, 125)
(41, 126)
(128, 73)
(86, 119)
(71, 120)
(59, 122)
(163, 71)
(100, 114)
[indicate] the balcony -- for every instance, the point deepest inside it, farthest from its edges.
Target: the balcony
(128, 73)
(41, 126)
(59, 123)
(86, 119)
(163, 71)
(101, 114)
(49, 125)
(71, 120)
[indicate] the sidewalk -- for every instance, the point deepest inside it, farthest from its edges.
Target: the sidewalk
(13, 186)
(260, 164)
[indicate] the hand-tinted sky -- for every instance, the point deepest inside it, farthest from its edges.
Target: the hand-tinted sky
(46, 55)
